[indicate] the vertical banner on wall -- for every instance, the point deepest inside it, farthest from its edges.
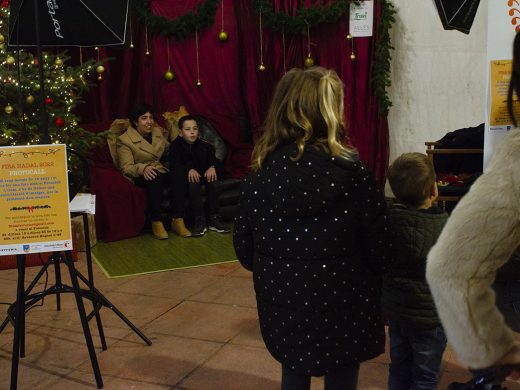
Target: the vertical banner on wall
(361, 23)
(34, 200)
(503, 17)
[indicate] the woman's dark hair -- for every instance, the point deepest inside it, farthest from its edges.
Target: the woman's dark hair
(514, 83)
(138, 110)
(184, 119)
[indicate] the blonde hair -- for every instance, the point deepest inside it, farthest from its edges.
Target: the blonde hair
(307, 108)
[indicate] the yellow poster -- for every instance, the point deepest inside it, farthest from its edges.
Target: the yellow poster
(500, 74)
(34, 200)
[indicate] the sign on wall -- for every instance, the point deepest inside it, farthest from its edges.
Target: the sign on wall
(361, 21)
(34, 200)
(503, 22)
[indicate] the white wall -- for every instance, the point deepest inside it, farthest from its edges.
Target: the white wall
(438, 76)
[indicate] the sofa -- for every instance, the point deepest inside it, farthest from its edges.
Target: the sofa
(120, 205)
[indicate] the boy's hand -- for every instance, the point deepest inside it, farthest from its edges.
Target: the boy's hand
(193, 176)
(149, 172)
(211, 174)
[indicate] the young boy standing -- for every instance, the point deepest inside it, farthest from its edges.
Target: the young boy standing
(193, 163)
(417, 339)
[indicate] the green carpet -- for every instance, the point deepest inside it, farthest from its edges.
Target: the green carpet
(145, 254)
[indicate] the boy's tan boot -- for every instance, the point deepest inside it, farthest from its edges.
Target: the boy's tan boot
(179, 227)
(159, 231)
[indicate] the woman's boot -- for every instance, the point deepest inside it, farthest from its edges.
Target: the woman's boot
(159, 231)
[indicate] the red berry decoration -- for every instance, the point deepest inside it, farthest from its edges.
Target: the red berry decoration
(5, 4)
(35, 62)
(59, 122)
(48, 100)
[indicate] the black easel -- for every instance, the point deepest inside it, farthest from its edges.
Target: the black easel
(24, 299)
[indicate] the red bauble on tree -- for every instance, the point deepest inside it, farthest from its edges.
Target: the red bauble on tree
(4, 4)
(48, 100)
(59, 122)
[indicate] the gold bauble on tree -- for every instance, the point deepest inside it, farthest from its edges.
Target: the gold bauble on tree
(223, 36)
(308, 61)
(29, 99)
(168, 75)
(10, 60)
(262, 67)
(58, 62)
(2, 39)
(8, 109)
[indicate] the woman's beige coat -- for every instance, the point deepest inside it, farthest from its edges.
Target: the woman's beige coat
(134, 153)
(480, 236)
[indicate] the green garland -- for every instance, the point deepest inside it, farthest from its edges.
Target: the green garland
(204, 17)
(381, 70)
(180, 27)
(305, 17)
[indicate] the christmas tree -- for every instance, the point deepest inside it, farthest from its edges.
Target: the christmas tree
(20, 95)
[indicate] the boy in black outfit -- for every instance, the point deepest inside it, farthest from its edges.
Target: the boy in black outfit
(417, 339)
(193, 162)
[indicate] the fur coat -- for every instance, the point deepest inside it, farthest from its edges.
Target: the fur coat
(480, 236)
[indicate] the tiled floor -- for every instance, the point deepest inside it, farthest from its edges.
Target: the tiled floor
(202, 322)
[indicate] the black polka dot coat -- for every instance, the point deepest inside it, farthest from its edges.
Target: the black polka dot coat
(314, 233)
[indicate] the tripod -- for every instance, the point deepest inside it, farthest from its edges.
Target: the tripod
(26, 299)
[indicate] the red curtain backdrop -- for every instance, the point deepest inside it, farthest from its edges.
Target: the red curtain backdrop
(234, 94)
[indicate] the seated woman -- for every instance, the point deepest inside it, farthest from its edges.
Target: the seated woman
(139, 151)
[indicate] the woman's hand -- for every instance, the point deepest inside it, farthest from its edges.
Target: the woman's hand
(149, 172)
(193, 176)
(211, 174)
(512, 360)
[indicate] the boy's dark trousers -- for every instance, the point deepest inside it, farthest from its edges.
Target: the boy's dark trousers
(154, 194)
(416, 356)
(184, 191)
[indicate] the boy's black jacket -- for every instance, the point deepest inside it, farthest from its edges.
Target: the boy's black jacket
(199, 156)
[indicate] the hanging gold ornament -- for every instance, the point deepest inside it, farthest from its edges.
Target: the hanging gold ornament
(352, 56)
(198, 83)
(168, 75)
(8, 109)
(223, 36)
(309, 61)
(349, 36)
(2, 39)
(261, 68)
(58, 62)
(100, 69)
(29, 99)
(70, 80)
(10, 60)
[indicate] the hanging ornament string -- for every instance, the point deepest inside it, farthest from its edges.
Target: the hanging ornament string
(222, 35)
(350, 38)
(199, 83)
(146, 41)
(261, 67)
(168, 75)
(131, 35)
(309, 61)
(100, 68)
(284, 53)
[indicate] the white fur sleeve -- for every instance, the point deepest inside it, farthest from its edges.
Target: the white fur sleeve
(480, 236)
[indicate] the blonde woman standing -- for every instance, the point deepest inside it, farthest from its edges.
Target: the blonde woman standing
(312, 227)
